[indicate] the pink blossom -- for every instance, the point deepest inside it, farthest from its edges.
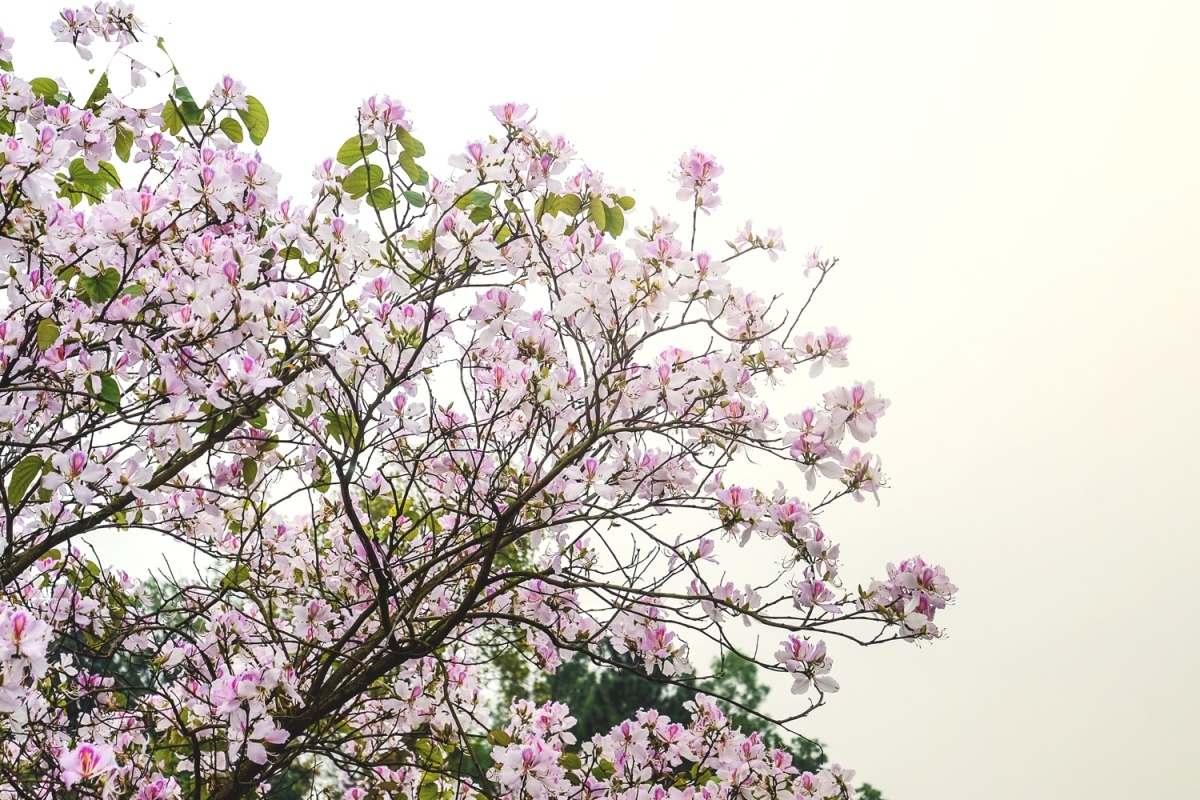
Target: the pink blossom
(773, 243)
(857, 408)
(808, 664)
(159, 788)
(24, 638)
(862, 474)
(826, 348)
(813, 261)
(231, 92)
(85, 762)
(911, 596)
(513, 114)
(380, 115)
(531, 766)
(696, 176)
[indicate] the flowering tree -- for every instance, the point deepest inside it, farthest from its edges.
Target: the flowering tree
(411, 426)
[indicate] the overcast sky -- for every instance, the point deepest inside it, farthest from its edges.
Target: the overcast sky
(1014, 192)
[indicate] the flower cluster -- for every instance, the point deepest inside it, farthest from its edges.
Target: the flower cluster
(697, 176)
(104, 20)
(382, 115)
(826, 348)
(747, 240)
(912, 594)
(24, 641)
(816, 435)
(808, 665)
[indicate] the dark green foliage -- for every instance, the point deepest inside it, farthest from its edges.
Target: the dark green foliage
(134, 673)
(601, 698)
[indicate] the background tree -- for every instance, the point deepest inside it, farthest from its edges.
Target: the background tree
(600, 699)
(411, 428)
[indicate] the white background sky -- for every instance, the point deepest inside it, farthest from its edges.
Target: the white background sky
(1013, 189)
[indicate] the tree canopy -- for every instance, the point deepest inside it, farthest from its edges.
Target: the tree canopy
(409, 429)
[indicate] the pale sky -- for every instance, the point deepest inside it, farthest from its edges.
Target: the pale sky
(1014, 191)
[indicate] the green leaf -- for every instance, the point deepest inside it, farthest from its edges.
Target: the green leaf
(304, 410)
(109, 394)
(78, 172)
(124, 143)
(568, 204)
(364, 178)
(109, 174)
(232, 128)
(47, 334)
(410, 144)
(477, 198)
(23, 476)
(324, 477)
(255, 117)
(99, 93)
(93, 185)
(44, 88)
(499, 737)
(249, 470)
(259, 420)
(411, 169)
(429, 791)
(415, 199)
(171, 119)
(103, 287)
(342, 427)
(596, 213)
(68, 191)
(570, 761)
(381, 198)
(236, 576)
(614, 219)
(625, 202)
(192, 114)
(354, 151)
(213, 420)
